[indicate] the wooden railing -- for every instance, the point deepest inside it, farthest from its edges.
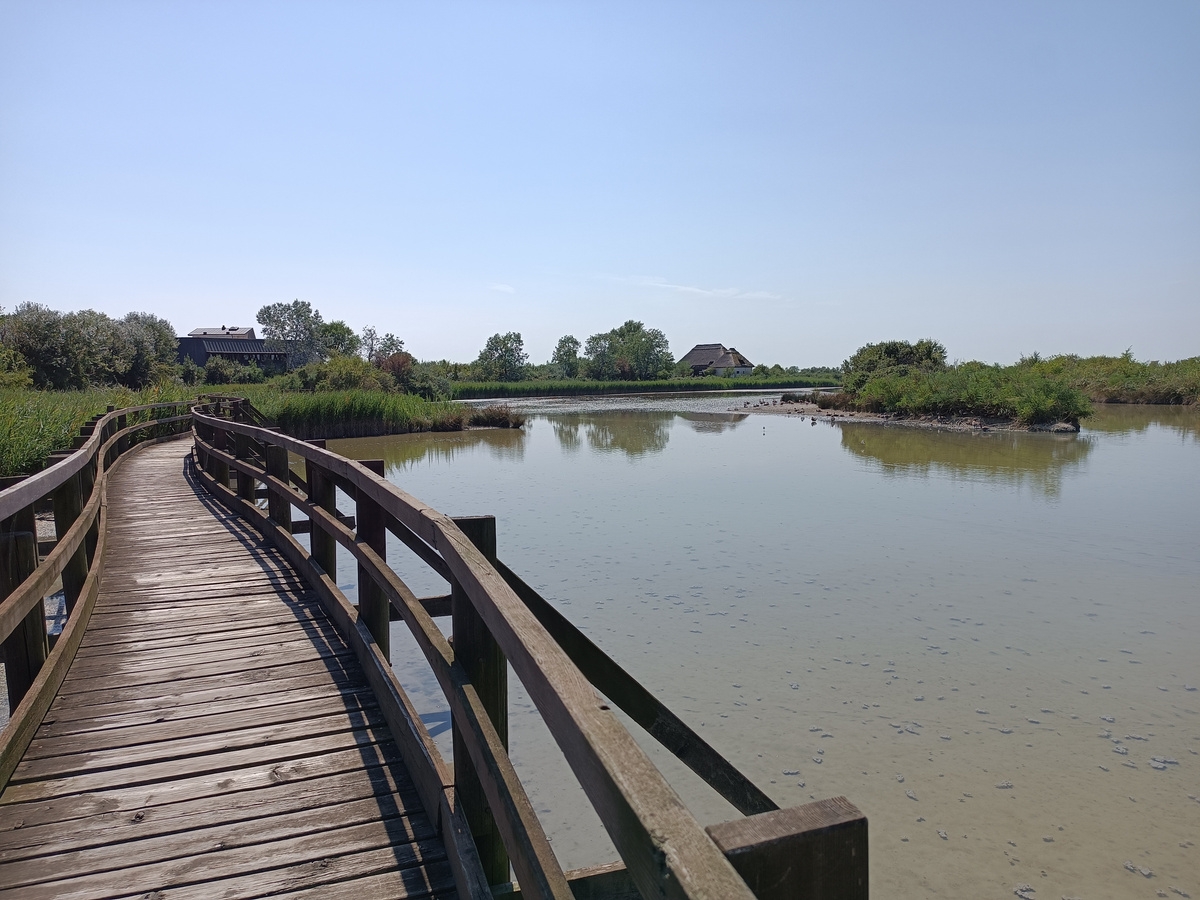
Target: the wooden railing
(815, 850)
(74, 485)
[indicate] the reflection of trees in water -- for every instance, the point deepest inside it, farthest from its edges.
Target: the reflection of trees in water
(713, 422)
(632, 433)
(403, 450)
(566, 429)
(1013, 457)
(1123, 418)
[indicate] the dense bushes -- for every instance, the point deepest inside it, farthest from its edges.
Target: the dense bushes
(1122, 379)
(913, 380)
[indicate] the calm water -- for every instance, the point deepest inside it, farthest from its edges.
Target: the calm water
(861, 603)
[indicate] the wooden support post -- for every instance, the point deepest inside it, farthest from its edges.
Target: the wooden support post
(87, 483)
(219, 469)
(245, 483)
(26, 648)
(68, 503)
(807, 852)
(323, 492)
(373, 605)
(123, 442)
(278, 506)
(485, 665)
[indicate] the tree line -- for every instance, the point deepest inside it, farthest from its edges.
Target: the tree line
(47, 349)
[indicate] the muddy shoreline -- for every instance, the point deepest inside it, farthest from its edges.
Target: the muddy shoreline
(940, 423)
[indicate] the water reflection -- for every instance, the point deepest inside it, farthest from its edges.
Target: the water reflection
(712, 422)
(401, 451)
(1120, 418)
(632, 433)
(1039, 460)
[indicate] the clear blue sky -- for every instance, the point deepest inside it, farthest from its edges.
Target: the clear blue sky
(794, 179)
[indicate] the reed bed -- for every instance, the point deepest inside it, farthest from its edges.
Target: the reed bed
(346, 414)
(478, 390)
(33, 424)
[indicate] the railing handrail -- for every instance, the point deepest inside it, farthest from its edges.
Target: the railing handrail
(668, 853)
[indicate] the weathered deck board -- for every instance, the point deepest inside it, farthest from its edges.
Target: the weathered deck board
(214, 737)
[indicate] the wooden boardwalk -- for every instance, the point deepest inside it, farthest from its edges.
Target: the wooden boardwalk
(214, 737)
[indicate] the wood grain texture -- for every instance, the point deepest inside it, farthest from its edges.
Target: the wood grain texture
(215, 735)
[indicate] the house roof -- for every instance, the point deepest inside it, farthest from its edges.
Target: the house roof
(240, 345)
(232, 331)
(731, 359)
(703, 354)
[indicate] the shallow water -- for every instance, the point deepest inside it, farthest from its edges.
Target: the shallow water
(960, 610)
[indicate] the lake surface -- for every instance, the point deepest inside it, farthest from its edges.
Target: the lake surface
(914, 619)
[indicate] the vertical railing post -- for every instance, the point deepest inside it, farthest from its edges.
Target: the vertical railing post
(323, 492)
(485, 665)
(218, 468)
(122, 442)
(278, 505)
(373, 606)
(87, 484)
(26, 648)
(68, 504)
(245, 483)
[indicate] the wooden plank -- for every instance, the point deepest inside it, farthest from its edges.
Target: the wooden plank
(161, 770)
(387, 885)
(89, 693)
(249, 774)
(191, 752)
(395, 824)
(382, 783)
(209, 703)
(358, 707)
(254, 865)
(809, 852)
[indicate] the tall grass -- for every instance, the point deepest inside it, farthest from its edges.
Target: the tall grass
(1122, 379)
(1019, 393)
(35, 423)
(475, 390)
(344, 414)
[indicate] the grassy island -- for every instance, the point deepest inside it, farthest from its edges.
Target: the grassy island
(914, 380)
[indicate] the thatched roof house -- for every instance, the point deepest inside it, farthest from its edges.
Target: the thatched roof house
(718, 358)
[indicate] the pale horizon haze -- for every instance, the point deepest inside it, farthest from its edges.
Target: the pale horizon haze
(792, 179)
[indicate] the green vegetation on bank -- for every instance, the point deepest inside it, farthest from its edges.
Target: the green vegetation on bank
(473, 390)
(1122, 379)
(914, 380)
(33, 424)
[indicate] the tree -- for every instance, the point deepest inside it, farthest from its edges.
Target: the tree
(153, 349)
(566, 356)
(893, 357)
(295, 328)
(338, 338)
(631, 352)
(503, 358)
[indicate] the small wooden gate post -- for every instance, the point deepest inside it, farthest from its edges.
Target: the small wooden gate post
(26, 648)
(323, 492)
(485, 665)
(373, 606)
(278, 506)
(68, 504)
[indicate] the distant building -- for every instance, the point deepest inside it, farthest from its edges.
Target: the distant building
(235, 344)
(225, 331)
(717, 357)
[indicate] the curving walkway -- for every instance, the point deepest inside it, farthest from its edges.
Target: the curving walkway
(215, 737)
